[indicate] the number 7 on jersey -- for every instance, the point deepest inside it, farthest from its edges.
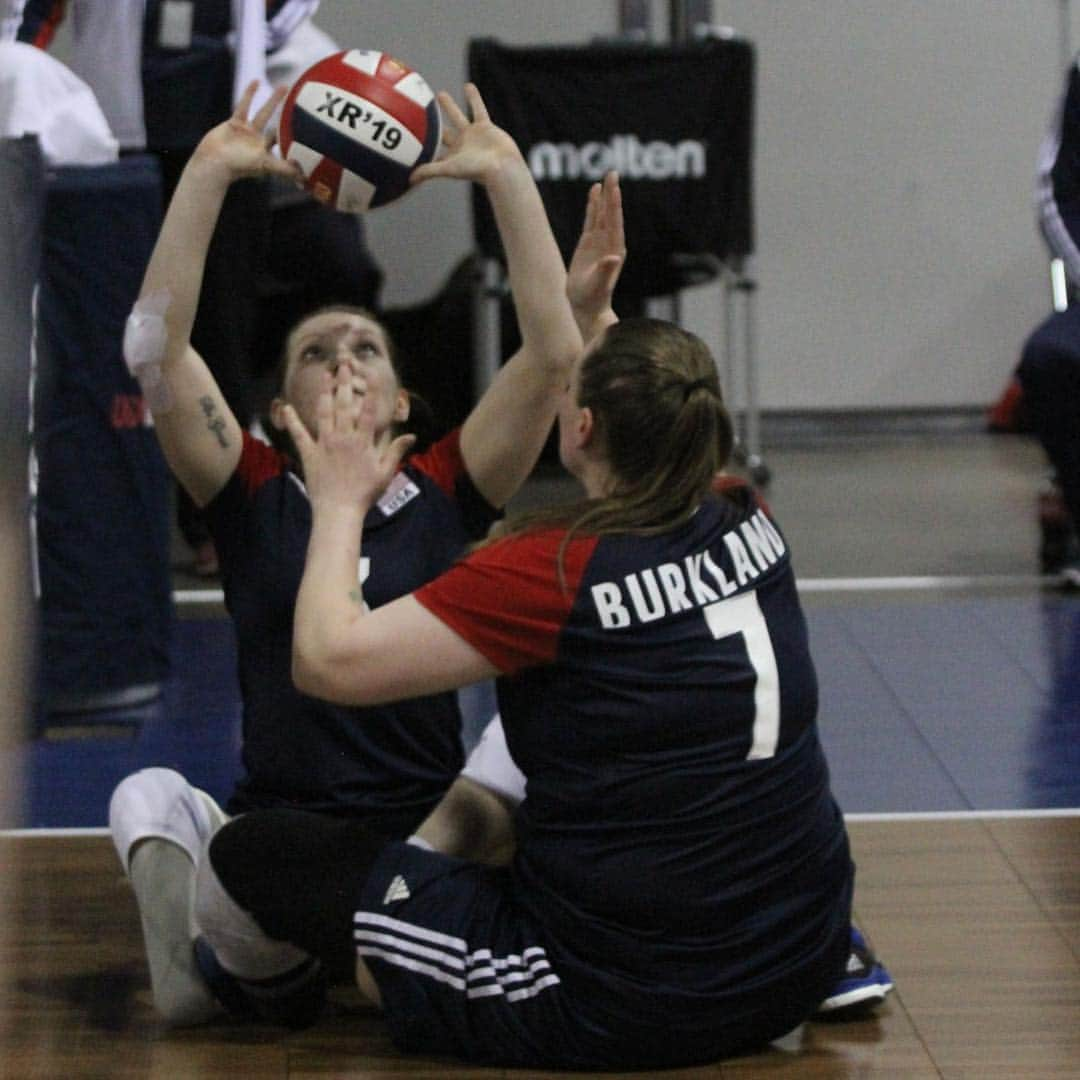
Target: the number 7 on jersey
(742, 614)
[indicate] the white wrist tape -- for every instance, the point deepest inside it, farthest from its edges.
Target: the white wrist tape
(144, 348)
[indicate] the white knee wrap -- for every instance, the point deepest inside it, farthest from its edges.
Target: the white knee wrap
(161, 803)
(491, 765)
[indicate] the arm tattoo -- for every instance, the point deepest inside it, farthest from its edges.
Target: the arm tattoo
(214, 422)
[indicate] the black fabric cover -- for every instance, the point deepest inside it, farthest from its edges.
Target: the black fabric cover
(22, 209)
(675, 120)
(103, 495)
(22, 173)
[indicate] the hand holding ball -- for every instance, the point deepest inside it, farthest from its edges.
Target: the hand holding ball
(357, 123)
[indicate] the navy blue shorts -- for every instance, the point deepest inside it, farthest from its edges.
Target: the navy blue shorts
(466, 970)
(462, 969)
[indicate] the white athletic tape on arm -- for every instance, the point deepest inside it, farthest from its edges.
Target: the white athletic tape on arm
(145, 336)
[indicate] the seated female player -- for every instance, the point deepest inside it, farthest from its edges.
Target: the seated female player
(389, 764)
(681, 887)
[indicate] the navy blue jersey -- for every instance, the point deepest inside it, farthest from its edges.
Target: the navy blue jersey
(390, 763)
(678, 830)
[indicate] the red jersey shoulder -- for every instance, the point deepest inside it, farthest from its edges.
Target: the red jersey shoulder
(442, 461)
(511, 598)
(259, 463)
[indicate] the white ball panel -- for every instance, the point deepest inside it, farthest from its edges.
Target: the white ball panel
(366, 60)
(416, 89)
(354, 193)
(305, 157)
(359, 120)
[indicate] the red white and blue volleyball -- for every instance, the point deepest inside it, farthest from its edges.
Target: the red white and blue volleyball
(357, 123)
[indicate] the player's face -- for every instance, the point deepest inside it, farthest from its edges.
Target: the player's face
(327, 341)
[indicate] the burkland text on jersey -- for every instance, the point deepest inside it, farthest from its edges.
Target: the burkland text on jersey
(696, 581)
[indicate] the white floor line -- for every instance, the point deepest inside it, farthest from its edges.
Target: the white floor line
(899, 816)
(965, 815)
(198, 596)
(928, 583)
(912, 584)
(52, 834)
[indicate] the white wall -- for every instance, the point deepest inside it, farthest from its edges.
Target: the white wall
(898, 259)
(897, 256)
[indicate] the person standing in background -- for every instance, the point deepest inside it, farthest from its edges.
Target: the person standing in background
(1049, 370)
(164, 73)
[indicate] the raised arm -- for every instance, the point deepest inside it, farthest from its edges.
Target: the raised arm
(502, 438)
(598, 259)
(198, 433)
(343, 652)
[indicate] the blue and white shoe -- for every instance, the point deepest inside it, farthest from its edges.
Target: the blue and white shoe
(864, 985)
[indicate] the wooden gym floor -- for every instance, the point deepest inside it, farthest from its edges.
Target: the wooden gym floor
(979, 921)
(951, 716)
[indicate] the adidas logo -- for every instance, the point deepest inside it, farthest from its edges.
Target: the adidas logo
(854, 965)
(397, 890)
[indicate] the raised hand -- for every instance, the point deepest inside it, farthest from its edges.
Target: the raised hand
(598, 258)
(344, 466)
(475, 148)
(242, 146)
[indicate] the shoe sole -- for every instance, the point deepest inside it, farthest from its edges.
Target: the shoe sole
(862, 996)
(866, 994)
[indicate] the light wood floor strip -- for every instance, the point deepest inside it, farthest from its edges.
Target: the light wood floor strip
(978, 921)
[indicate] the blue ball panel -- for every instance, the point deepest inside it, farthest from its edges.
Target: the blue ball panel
(434, 128)
(389, 177)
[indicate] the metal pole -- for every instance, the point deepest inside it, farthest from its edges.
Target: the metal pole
(754, 461)
(1065, 34)
(685, 15)
(727, 377)
(635, 19)
(487, 324)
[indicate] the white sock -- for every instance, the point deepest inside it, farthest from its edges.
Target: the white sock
(163, 877)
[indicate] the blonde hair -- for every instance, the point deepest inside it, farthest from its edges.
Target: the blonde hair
(660, 417)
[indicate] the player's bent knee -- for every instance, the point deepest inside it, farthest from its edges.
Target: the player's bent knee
(299, 875)
(472, 822)
(158, 803)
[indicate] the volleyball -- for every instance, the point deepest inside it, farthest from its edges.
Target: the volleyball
(357, 123)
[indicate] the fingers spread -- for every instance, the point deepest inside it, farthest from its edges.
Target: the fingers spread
(301, 437)
(475, 103)
(242, 106)
(262, 117)
(453, 112)
(592, 208)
